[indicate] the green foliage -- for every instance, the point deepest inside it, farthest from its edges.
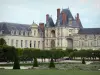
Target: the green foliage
(51, 65)
(2, 41)
(83, 61)
(16, 60)
(16, 64)
(35, 63)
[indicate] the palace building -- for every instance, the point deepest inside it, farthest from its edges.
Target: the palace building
(67, 32)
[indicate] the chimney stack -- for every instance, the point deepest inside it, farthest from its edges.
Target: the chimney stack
(77, 16)
(64, 18)
(58, 13)
(41, 25)
(47, 17)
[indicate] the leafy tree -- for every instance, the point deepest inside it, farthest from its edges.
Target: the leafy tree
(2, 41)
(51, 65)
(35, 63)
(16, 60)
(83, 61)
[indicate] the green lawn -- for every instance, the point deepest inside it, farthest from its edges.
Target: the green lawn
(47, 72)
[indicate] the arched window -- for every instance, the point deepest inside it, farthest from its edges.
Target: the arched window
(52, 43)
(53, 33)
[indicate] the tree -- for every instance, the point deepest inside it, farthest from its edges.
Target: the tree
(2, 41)
(16, 60)
(35, 63)
(51, 65)
(83, 61)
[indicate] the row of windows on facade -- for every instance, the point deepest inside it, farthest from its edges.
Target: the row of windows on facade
(25, 43)
(25, 33)
(85, 37)
(87, 43)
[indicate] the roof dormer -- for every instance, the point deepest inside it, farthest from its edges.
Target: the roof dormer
(12, 32)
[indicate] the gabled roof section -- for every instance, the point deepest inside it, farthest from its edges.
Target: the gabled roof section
(50, 22)
(68, 15)
(69, 18)
(89, 31)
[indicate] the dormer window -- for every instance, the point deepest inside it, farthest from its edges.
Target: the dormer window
(26, 33)
(12, 32)
(22, 32)
(17, 32)
(70, 21)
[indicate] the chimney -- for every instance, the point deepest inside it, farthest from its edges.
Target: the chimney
(77, 18)
(64, 18)
(58, 13)
(41, 25)
(47, 17)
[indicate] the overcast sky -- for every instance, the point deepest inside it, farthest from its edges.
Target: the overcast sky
(25, 11)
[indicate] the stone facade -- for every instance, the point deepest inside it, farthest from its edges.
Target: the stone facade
(67, 32)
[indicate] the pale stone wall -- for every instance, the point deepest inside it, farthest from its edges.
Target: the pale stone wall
(9, 39)
(87, 41)
(62, 34)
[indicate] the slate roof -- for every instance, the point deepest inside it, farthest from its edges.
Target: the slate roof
(89, 31)
(50, 22)
(7, 27)
(69, 15)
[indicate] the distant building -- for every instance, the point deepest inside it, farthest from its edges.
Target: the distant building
(67, 32)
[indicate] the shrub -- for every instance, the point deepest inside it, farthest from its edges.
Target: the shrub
(16, 60)
(35, 63)
(83, 61)
(16, 64)
(51, 65)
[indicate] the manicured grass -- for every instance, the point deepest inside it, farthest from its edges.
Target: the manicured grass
(48, 72)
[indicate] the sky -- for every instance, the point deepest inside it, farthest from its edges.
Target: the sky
(27, 11)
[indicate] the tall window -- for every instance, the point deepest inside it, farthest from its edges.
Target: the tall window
(16, 43)
(47, 42)
(21, 43)
(8, 42)
(30, 44)
(34, 32)
(58, 42)
(38, 44)
(12, 42)
(34, 44)
(98, 42)
(25, 43)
